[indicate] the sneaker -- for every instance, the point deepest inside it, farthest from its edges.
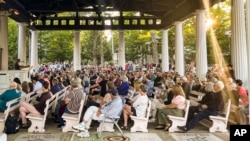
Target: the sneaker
(60, 126)
(84, 134)
(80, 127)
(124, 127)
(151, 120)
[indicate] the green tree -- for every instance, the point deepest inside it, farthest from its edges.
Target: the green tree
(56, 45)
(12, 43)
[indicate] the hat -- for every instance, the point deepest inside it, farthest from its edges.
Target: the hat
(113, 92)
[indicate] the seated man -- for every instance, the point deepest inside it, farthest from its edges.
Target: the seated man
(55, 86)
(110, 109)
(8, 95)
(212, 104)
(72, 102)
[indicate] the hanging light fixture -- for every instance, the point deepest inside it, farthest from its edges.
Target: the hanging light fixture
(2, 1)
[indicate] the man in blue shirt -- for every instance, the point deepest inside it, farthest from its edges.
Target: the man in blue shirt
(8, 95)
(111, 109)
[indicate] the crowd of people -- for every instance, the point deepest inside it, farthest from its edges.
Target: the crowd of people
(124, 93)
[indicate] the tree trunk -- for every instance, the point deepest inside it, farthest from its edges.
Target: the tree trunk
(94, 49)
(154, 47)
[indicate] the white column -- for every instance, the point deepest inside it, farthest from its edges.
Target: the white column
(121, 51)
(165, 54)
(4, 39)
(34, 50)
(201, 44)
(239, 49)
(179, 49)
(248, 46)
(77, 51)
(21, 43)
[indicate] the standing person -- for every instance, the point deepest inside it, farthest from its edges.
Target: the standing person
(37, 109)
(9, 95)
(213, 104)
(176, 108)
(18, 66)
(111, 109)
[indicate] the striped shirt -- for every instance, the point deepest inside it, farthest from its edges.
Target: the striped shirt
(75, 96)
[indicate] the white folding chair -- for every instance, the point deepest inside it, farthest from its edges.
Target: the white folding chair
(111, 120)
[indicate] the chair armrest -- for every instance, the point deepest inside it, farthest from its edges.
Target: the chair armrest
(140, 118)
(218, 118)
(175, 117)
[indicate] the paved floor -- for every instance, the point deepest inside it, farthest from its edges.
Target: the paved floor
(51, 129)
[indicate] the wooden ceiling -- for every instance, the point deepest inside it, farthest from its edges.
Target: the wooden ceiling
(99, 14)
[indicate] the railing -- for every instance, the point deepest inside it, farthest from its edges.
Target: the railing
(6, 76)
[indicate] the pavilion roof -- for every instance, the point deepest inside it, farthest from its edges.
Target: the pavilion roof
(100, 14)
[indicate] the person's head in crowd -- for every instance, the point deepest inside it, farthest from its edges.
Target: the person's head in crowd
(45, 85)
(137, 85)
(17, 80)
(218, 86)
(209, 87)
(75, 83)
(110, 85)
(13, 85)
(143, 88)
(124, 78)
(177, 90)
(31, 85)
(25, 87)
(238, 82)
(114, 93)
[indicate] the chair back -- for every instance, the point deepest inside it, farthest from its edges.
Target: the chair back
(148, 109)
(186, 109)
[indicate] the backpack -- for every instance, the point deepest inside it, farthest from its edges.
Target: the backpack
(11, 125)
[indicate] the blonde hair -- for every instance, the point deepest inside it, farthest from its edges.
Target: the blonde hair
(137, 85)
(13, 85)
(177, 90)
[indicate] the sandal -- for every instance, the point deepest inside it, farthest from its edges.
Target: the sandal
(167, 127)
(159, 127)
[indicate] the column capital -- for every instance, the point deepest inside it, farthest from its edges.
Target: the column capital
(21, 24)
(77, 30)
(4, 13)
(162, 30)
(178, 22)
(200, 11)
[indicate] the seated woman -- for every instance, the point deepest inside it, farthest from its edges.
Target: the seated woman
(137, 108)
(158, 103)
(8, 95)
(176, 108)
(37, 109)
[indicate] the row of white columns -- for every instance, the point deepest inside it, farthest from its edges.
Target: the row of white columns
(239, 48)
(201, 48)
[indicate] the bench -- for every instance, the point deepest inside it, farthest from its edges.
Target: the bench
(141, 123)
(38, 122)
(11, 106)
(179, 121)
(59, 96)
(30, 97)
(218, 123)
(73, 119)
(195, 97)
